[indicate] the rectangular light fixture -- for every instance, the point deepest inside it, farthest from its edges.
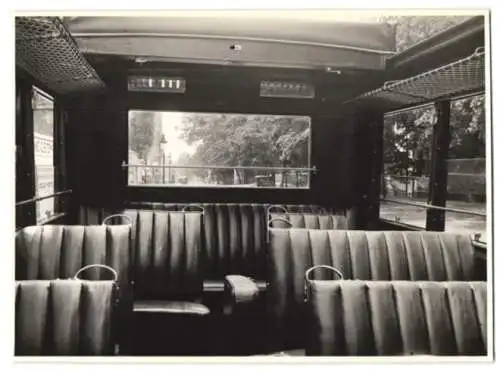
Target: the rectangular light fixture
(285, 89)
(157, 84)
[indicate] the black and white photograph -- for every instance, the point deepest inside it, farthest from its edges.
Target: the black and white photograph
(261, 185)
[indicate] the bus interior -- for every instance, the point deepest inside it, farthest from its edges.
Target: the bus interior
(250, 184)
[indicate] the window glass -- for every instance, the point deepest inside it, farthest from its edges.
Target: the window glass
(43, 124)
(466, 188)
(407, 160)
(218, 150)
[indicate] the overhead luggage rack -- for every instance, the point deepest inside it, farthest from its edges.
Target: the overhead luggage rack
(47, 51)
(460, 77)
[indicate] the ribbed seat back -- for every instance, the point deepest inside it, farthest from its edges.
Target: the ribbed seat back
(381, 318)
(168, 249)
(362, 255)
(59, 251)
(234, 234)
(65, 317)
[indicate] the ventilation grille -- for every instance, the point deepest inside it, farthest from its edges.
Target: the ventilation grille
(46, 50)
(460, 77)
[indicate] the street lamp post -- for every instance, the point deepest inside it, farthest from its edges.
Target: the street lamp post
(163, 144)
(169, 163)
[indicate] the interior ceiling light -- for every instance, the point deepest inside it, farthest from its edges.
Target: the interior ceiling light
(331, 70)
(141, 60)
(287, 89)
(157, 84)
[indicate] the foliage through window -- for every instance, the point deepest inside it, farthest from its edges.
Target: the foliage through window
(467, 166)
(43, 127)
(411, 30)
(407, 159)
(407, 162)
(218, 149)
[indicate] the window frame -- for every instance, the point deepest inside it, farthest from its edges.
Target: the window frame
(37, 90)
(311, 169)
(26, 198)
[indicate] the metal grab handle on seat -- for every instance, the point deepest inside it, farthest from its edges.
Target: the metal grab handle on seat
(104, 222)
(328, 267)
(186, 208)
(308, 280)
(278, 219)
(96, 265)
(480, 50)
(281, 208)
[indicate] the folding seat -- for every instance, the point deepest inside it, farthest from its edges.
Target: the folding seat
(168, 282)
(66, 318)
(396, 318)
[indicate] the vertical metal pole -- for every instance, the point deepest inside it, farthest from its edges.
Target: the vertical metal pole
(439, 171)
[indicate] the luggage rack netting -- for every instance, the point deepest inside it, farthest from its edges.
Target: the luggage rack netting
(459, 77)
(46, 50)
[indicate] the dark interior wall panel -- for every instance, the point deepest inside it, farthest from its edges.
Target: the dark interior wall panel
(99, 144)
(367, 159)
(334, 149)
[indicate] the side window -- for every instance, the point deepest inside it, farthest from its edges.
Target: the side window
(466, 185)
(43, 126)
(407, 160)
(408, 144)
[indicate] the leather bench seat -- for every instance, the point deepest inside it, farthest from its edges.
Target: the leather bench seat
(59, 251)
(397, 318)
(65, 318)
(358, 255)
(234, 235)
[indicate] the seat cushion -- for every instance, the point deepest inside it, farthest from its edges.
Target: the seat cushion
(171, 307)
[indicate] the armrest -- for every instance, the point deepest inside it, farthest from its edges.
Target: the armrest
(240, 291)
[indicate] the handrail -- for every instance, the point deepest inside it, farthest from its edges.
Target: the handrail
(263, 168)
(430, 206)
(36, 199)
(104, 222)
